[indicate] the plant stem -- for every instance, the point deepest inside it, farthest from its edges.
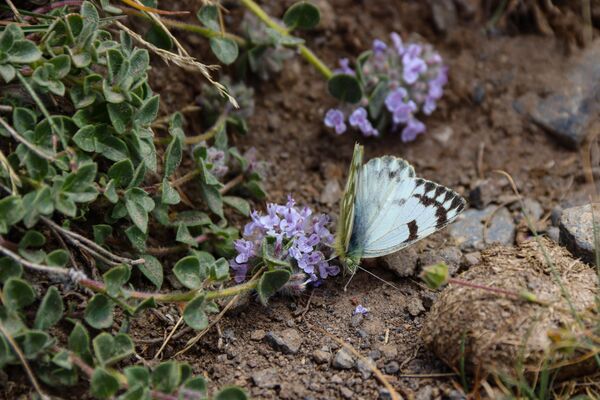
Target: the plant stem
(304, 51)
(231, 184)
(37, 150)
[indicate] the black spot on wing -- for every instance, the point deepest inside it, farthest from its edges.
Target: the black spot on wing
(413, 231)
(429, 186)
(457, 203)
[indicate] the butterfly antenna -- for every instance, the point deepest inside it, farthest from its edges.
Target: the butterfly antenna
(381, 279)
(347, 283)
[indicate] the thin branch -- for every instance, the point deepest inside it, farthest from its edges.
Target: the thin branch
(34, 266)
(37, 150)
(23, 360)
(95, 248)
(231, 184)
(15, 11)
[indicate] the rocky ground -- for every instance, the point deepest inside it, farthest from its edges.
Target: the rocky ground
(517, 101)
(520, 99)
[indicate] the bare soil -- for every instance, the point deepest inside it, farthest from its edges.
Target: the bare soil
(476, 130)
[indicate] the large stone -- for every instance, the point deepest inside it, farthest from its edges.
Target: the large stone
(343, 359)
(266, 378)
(403, 263)
(577, 231)
(567, 112)
(288, 341)
(468, 231)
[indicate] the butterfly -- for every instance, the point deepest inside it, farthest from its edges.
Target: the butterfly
(385, 208)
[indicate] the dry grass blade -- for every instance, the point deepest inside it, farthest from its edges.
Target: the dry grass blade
(142, 7)
(380, 376)
(24, 362)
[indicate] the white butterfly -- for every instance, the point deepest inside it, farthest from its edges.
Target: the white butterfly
(385, 208)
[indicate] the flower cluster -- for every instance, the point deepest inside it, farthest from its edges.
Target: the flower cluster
(400, 81)
(301, 238)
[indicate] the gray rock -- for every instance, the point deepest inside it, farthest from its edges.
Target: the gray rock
(346, 393)
(266, 378)
(257, 335)
(331, 192)
(374, 354)
(533, 209)
(392, 367)
(365, 367)
(321, 357)
(484, 192)
(384, 394)
(451, 256)
(468, 230)
(337, 379)
(403, 263)
(343, 359)
(389, 351)
(471, 259)
(577, 232)
(444, 15)
(553, 233)
(425, 393)
(415, 306)
(567, 112)
(288, 341)
(356, 319)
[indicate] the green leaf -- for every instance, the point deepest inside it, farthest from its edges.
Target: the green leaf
(168, 194)
(80, 179)
(137, 376)
(303, 15)
(138, 205)
(110, 350)
(231, 393)
(33, 342)
(213, 199)
(377, 99)
(79, 342)
(152, 269)
(136, 237)
(158, 37)
(238, 204)
(6, 355)
(219, 270)
(187, 270)
(57, 258)
(270, 282)
(138, 176)
(196, 385)
(173, 156)
(18, 294)
(194, 315)
(7, 72)
(255, 190)
(191, 218)
(110, 192)
(166, 377)
(11, 212)
(85, 138)
(121, 172)
(345, 88)
(225, 49)
(32, 238)
(24, 119)
(101, 232)
(9, 268)
(24, 52)
(62, 359)
(103, 384)
(120, 115)
(209, 17)
(115, 278)
(99, 312)
(184, 236)
(115, 60)
(148, 111)
(50, 311)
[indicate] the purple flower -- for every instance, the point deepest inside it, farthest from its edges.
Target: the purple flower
(429, 106)
(404, 112)
(335, 119)
(325, 269)
(240, 271)
(397, 41)
(413, 64)
(344, 67)
(245, 250)
(412, 129)
(395, 99)
(358, 119)
(379, 47)
(360, 310)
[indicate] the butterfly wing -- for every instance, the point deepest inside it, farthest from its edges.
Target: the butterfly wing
(395, 209)
(346, 218)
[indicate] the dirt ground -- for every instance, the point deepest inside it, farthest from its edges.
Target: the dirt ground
(476, 130)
